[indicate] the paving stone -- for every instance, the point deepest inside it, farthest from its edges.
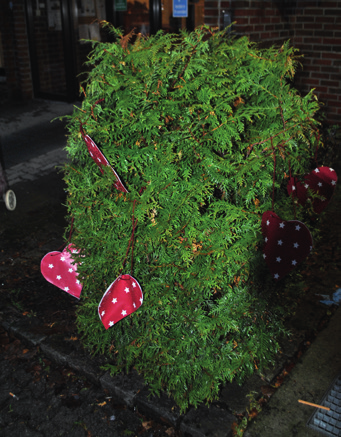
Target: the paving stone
(22, 330)
(125, 387)
(209, 421)
(15, 180)
(162, 407)
(85, 367)
(48, 166)
(20, 430)
(235, 397)
(58, 351)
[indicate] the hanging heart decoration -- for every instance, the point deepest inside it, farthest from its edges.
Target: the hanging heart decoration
(287, 243)
(321, 182)
(102, 161)
(59, 269)
(122, 298)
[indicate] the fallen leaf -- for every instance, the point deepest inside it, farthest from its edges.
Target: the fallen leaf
(102, 404)
(147, 425)
(267, 390)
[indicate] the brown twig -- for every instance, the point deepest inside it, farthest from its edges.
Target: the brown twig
(313, 405)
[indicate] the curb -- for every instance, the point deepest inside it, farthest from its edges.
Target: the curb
(213, 420)
(36, 167)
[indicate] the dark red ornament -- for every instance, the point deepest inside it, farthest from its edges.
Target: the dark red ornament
(321, 182)
(122, 298)
(59, 269)
(287, 244)
(102, 161)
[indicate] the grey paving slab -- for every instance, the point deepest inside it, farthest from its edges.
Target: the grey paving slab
(284, 415)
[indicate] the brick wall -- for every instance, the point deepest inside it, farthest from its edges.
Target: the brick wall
(15, 49)
(50, 58)
(318, 36)
(313, 26)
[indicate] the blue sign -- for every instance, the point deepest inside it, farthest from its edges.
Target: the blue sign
(180, 8)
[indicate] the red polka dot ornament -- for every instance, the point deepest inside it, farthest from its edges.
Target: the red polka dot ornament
(122, 298)
(59, 269)
(287, 244)
(102, 161)
(320, 182)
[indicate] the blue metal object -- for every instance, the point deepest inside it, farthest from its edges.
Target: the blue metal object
(328, 422)
(180, 8)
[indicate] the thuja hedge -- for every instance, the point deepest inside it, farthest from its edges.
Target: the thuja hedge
(194, 120)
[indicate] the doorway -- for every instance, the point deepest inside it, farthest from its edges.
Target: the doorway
(60, 34)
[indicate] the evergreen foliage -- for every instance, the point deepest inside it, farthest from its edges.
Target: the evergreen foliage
(195, 120)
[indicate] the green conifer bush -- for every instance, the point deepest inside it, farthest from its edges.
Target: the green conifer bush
(191, 123)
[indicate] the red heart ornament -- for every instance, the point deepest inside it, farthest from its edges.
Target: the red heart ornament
(57, 268)
(102, 161)
(122, 298)
(287, 243)
(321, 181)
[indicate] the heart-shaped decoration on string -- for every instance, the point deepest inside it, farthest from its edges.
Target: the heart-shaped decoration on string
(122, 298)
(321, 181)
(102, 161)
(287, 243)
(58, 268)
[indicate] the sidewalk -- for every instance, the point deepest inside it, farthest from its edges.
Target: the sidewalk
(308, 381)
(36, 227)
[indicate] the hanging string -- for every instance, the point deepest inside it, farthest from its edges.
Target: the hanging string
(317, 146)
(132, 238)
(292, 193)
(92, 114)
(274, 176)
(68, 240)
(131, 243)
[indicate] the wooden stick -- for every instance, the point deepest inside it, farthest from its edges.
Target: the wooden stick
(314, 405)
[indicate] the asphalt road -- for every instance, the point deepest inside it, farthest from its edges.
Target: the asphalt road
(27, 129)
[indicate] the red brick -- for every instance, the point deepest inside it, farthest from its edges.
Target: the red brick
(313, 11)
(320, 89)
(241, 21)
(275, 20)
(245, 12)
(255, 20)
(303, 33)
(320, 76)
(328, 20)
(256, 4)
(331, 69)
(312, 82)
(329, 97)
(324, 33)
(331, 109)
(305, 19)
(313, 26)
(337, 104)
(332, 41)
(323, 62)
(334, 12)
(330, 83)
(313, 40)
(331, 55)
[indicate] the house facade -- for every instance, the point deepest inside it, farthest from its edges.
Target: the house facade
(44, 43)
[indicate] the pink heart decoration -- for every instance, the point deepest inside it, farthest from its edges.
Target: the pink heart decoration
(287, 243)
(321, 181)
(102, 161)
(57, 268)
(122, 298)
